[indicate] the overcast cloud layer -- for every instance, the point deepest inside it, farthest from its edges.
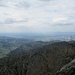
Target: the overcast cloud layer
(37, 16)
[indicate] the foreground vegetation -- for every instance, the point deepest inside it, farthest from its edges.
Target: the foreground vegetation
(38, 58)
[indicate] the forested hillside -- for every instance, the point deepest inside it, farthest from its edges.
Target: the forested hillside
(38, 59)
(7, 44)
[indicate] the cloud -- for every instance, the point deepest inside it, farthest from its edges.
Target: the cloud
(45, 0)
(60, 19)
(34, 15)
(23, 4)
(2, 3)
(64, 24)
(12, 20)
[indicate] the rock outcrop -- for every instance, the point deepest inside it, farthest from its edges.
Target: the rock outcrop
(68, 69)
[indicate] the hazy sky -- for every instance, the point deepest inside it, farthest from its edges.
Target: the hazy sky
(37, 16)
